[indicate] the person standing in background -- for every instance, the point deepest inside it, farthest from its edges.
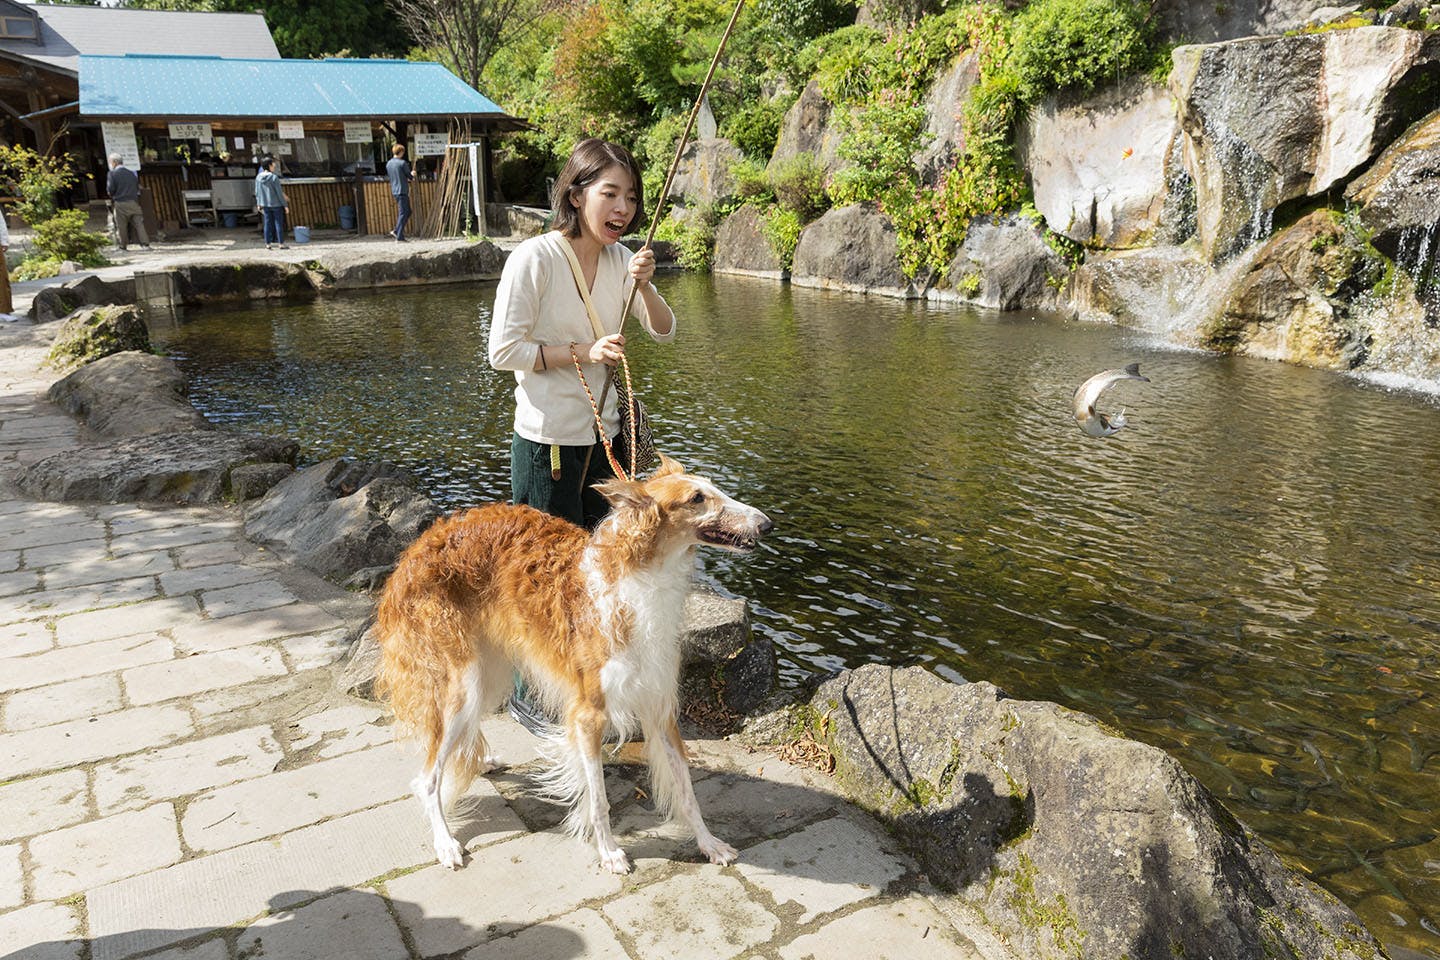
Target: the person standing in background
(400, 174)
(270, 201)
(123, 186)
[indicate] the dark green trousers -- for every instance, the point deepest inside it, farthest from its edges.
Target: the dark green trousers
(572, 496)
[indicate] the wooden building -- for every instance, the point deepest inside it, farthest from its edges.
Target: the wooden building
(198, 126)
(40, 50)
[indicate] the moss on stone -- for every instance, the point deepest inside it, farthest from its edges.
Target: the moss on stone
(1053, 914)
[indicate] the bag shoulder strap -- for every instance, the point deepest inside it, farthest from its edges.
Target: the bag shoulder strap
(579, 273)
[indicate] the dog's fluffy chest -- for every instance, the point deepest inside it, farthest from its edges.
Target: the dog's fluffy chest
(640, 677)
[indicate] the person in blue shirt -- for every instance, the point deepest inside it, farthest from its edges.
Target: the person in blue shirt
(400, 174)
(270, 201)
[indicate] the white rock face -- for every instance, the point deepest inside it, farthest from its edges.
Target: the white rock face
(1268, 120)
(1362, 67)
(1097, 167)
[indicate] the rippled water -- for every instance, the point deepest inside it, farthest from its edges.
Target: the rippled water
(1246, 576)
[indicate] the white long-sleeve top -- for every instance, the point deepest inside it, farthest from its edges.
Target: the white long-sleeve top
(538, 303)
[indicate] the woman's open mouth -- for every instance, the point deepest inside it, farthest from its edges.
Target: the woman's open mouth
(615, 228)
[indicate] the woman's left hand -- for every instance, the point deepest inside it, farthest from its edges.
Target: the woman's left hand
(642, 266)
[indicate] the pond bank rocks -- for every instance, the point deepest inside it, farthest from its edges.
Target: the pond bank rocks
(129, 394)
(188, 467)
(741, 247)
(342, 516)
(851, 248)
(95, 332)
(1066, 837)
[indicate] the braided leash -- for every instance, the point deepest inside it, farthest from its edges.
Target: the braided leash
(595, 408)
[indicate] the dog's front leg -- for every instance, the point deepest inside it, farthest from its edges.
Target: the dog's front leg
(589, 731)
(673, 764)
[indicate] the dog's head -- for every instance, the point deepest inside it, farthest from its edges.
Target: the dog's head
(681, 509)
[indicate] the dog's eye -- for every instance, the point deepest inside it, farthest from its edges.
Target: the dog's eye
(698, 496)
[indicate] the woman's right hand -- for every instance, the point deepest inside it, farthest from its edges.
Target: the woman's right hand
(608, 350)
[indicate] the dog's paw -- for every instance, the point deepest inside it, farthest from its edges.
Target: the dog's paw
(449, 852)
(615, 860)
(719, 851)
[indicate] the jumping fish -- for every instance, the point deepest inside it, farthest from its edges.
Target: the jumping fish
(1092, 422)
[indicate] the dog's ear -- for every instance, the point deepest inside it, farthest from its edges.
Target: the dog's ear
(624, 493)
(667, 467)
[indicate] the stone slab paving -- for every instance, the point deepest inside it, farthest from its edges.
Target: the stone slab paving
(180, 778)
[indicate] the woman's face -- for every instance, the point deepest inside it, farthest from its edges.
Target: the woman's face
(607, 205)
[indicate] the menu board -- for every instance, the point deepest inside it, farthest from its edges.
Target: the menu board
(120, 138)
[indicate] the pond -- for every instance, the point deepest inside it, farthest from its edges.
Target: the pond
(1245, 576)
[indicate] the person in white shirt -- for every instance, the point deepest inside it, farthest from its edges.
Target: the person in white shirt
(540, 319)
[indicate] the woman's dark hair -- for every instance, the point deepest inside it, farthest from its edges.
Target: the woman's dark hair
(589, 159)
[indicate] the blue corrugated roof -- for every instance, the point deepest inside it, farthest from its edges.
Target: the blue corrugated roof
(215, 87)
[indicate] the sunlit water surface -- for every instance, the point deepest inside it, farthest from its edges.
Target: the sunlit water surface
(1246, 576)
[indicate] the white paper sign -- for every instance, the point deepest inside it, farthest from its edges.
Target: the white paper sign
(358, 131)
(239, 143)
(120, 138)
(277, 148)
(290, 129)
(431, 144)
(190, 131)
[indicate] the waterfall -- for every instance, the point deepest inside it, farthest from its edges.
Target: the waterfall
(1415, 254)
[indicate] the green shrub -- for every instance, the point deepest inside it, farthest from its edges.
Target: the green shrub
(64, 237)
(880, 139)
(781, 228)
(751, 183)
(840, 63)
(1077, 44)
(799, 186)
(755, 128)
(38, 179)
(36, 268)
(694, 237)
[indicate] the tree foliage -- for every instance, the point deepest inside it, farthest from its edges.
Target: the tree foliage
(467, 33)
(311, 28)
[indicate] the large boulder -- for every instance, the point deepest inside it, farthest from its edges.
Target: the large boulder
(1154, 289)
(703, 177)
(341, 516)
(360, 267)
(55, 303)
(851, 248)
(808, 128)
(1067, 838)
(944, 106)
(1400, 196)
(1097, 165)
(726, 671)
(1293, 302)
(1277, 119)
(741, 247)
(1005, 264)
(129, 394)
(1191, 22)
(95, 332)
(189, 467)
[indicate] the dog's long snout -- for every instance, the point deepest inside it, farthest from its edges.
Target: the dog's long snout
(766, 525)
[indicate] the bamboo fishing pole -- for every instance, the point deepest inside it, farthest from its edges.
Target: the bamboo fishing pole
(680, 150)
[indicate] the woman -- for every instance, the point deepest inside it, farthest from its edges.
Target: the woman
(540, 319)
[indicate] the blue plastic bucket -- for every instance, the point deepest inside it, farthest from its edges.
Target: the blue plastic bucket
(231, 220)
(347, 217)
(302, 234)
